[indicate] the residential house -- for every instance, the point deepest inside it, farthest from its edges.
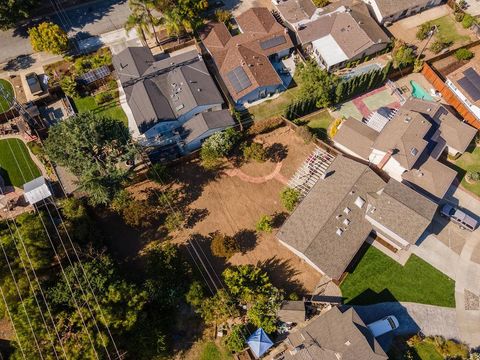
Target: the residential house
(172, 104)
(246, 61)
(295, 13)
(345, 34)
(388, 11)
(407, 146)
(465, 83)
(332, 336)
(343, 209)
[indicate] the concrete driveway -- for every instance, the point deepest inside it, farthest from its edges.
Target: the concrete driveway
(432, 320)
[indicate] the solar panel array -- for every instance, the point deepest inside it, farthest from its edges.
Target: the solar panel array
(239, 79)
(275, 41)
(94, 75)
(471, 83)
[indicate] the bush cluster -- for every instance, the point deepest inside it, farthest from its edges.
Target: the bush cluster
(255, 151)
(463, 54)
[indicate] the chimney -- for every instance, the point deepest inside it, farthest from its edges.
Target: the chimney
(385, 159)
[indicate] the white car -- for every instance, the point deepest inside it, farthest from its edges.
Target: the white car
(383, 326)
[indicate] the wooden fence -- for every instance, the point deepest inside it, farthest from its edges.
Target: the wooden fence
(434, 78)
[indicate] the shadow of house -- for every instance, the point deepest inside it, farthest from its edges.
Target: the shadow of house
(283, 274)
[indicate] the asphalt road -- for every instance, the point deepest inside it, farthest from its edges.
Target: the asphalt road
(94, 18)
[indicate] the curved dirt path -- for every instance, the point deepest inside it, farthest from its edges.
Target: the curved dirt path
(275, 174)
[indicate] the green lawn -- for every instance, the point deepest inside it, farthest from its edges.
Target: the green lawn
(275, 107)
(447, 30)
(469, 161)
(16, 165)
(6, 85)
(426, 351)
(111, 109)
(377, 278)
(319, 123)
(211, 351)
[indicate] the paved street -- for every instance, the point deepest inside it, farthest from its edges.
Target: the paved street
(83, 21)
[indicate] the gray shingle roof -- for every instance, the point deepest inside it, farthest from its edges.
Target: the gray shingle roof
(168, 95)
(205, 121)
(356, 136)
(402, 210)
(391, 7)
(312, 227)
(335, 333)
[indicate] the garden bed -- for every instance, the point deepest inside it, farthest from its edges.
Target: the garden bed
(469, 162)
(377, 278)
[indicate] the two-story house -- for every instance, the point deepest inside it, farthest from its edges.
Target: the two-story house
(388, 11)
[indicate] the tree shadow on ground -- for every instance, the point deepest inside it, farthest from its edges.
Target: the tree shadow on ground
(282, 274)
(19, 63)
(193, 177)
(194, 216)
(277, 152)
(246, 240)
(278, 218)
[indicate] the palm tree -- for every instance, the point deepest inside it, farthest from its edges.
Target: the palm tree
(173, 23)
(140, 23)
(143, 10)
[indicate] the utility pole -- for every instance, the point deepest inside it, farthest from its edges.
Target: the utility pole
(432, 32)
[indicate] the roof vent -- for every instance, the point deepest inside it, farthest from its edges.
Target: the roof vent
(179, 107)
(359, 202)
(199, 89)
(414, 151)
(346, 222)
(339, 232)
(407, 119)
(348, 343)
(338, 216)
(429, 109)
(352, 192)
(347, 210)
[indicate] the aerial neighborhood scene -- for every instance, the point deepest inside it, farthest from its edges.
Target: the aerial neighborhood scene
(240, 179)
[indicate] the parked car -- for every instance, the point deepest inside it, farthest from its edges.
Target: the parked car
(383, 326)
(34, 83)
(458, 216)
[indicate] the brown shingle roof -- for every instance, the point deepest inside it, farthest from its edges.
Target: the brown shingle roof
(334, 333)
(458, 74)
(356, 136)
(245, 51)
(391, 7)
(294, 11)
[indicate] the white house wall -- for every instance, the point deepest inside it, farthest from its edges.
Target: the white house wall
(347, 150)
(394, 169)
(302, 256)
(388, 233)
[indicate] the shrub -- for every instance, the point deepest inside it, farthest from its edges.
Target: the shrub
(265, 224)
(174, 221)
(448, 348)
(103, 97)
(48, 37)
(265, 126)
(423, 30)
(223, 245)
(121, 201)
(468, 21)
(333, 128)
(235, 340)
(254, 151)
(463, 54)
(438, 45)
(69, 86)
(158, 173)
(223, 16)
(218, 146)
(459, 16)
(305, 133)
(321, 3)
(138, 214)
(290, 198)
(418, 65)
(472, 176)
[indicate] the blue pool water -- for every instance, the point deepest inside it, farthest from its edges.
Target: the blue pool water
(419, 92)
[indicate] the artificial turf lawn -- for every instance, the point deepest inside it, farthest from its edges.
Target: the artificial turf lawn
(377, 278)
(17, 168)
(6, 85)
(111, 109)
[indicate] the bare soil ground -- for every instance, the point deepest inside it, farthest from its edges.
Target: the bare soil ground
(450, 63)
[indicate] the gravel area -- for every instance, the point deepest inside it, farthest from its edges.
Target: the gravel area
(472, 301)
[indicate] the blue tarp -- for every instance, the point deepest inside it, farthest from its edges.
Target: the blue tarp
(259, 342)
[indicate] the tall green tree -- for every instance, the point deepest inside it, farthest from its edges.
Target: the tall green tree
(48, 37)
(317, 83)
(142, 11)
(246, 282)
(182, 15)
(140, 22)
(91, 147)
(13, 11)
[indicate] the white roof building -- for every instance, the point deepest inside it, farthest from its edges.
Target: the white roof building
(36, 190)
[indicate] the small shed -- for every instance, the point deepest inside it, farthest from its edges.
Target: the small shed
(259, 342)
(292, 311)
(36, 190)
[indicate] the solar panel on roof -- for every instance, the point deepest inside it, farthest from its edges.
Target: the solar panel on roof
(472, 76)
(239, 79)
(94, 75)
(275, 41)
(472, 89)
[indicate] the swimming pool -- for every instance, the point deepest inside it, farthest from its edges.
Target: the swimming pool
(419, 92)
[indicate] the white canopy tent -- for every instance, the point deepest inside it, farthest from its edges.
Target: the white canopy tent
(36, 190)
